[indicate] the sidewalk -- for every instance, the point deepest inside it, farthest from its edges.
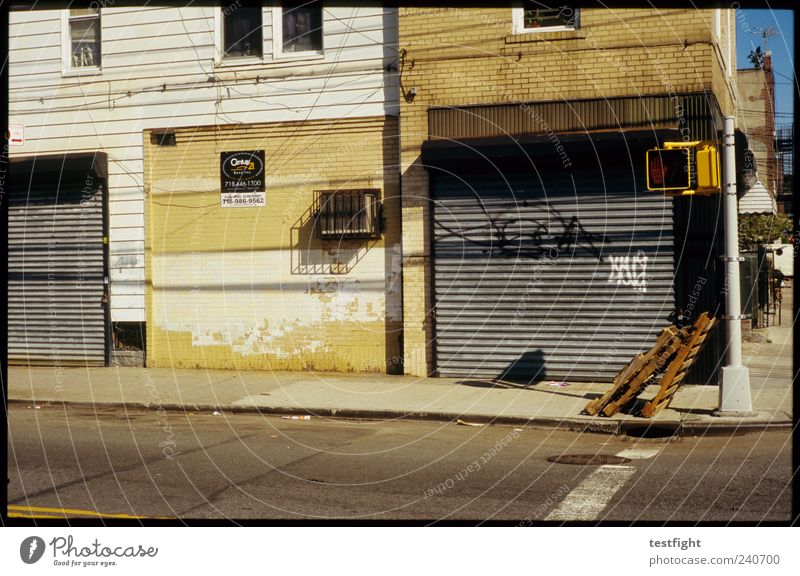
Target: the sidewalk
(381, 396)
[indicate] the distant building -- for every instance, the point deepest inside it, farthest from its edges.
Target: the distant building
(756, 119)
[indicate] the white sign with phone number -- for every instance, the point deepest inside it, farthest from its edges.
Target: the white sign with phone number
(243, 199)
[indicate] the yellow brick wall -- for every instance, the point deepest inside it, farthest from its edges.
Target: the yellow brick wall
(465, 56)
(252, 288)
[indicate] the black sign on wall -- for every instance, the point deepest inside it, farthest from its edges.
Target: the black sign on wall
(242, 171)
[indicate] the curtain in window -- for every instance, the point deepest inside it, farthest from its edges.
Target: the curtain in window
(85, 38)
(242, 30)
(302, 27)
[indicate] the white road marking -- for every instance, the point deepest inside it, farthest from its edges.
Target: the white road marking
(589, 498)
(639, 453)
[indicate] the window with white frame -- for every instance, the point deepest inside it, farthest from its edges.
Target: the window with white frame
(242, 30)
(298, 28)
(539, 17)
(83, 38)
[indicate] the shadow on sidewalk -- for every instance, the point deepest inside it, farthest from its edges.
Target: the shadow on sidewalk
(526, 373)
(501, 384)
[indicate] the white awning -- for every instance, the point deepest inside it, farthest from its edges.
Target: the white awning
(757, 200)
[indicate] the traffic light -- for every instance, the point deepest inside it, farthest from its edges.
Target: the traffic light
(669, 169)
(708, 179)
(683, 168)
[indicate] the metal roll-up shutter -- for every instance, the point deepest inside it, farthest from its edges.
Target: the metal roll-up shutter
(56, 263)
(567, 278)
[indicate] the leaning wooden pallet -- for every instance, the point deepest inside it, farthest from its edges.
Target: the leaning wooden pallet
(638, 383)
(629, 382)
(680, 364)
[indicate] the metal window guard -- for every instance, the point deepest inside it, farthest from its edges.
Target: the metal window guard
(348, 214)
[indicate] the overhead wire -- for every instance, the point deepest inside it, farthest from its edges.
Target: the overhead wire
(108, 102)
(324, 84)
(311, 108)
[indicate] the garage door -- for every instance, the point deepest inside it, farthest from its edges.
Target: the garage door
(558, 278)
(56, 310)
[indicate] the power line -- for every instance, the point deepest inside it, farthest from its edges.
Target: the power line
(165, 87)
(793, 81)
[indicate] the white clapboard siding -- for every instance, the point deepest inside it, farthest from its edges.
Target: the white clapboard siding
(132, 221)
(143, 92)
(129, 194)
(286, 78)
(156, 62)
(85, 131)
(128, 288)
(126, 206)
(129, 234)
(47, 38)
(126, 247)
(33, 55)
(127, 274)
(34, 67)
(162, 21)
(38, 17)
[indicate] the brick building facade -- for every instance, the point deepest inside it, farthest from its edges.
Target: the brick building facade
(256, 288)
(504, 146)
(467, 75)
(756, 118)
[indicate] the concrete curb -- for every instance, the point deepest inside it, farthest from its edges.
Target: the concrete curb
(731, 429)
(594, 425)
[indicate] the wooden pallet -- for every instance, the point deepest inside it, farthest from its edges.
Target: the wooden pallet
(680, 364)
(630, 381)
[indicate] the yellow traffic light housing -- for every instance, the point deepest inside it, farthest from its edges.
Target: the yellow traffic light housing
(669, 170)
(708, 178)
(684, 168)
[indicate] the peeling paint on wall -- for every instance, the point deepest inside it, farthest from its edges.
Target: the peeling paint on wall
(245, 306)
(341, 297)
(304, 348)
(259, 291)
(277, 342)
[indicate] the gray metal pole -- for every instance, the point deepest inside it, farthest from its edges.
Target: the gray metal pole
(734, 380)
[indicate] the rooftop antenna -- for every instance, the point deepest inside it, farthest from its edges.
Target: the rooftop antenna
(766, 32)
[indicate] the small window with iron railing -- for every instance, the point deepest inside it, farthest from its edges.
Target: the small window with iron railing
(539, 17)
(348, 214)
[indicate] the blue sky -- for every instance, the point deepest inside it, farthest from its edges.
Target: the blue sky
(749, 24)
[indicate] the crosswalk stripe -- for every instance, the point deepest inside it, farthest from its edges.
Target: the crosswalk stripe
(589, 498)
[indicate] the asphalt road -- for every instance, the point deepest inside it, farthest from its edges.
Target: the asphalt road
(248, 466)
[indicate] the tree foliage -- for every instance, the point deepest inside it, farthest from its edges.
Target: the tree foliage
(758, 229)
(756, 58)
